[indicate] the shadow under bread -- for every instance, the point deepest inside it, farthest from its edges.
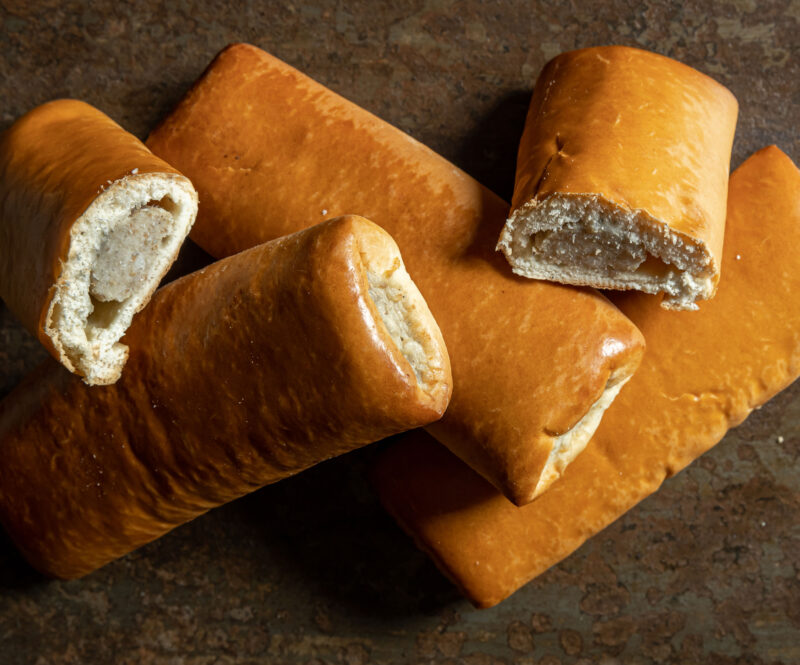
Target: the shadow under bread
(330, 534)
(489, 152)
(15, 573)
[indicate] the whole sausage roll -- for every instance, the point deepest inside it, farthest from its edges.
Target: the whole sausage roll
(534, 364)
(90, 221)
(622, 176)
(241, 374)
(702, 374)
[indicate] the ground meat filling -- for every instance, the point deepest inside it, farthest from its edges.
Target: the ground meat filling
(128, 253)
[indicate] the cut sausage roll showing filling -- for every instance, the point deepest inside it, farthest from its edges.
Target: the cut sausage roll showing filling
(622, 176)
(90, 221)
(120, 248)
(584, 239)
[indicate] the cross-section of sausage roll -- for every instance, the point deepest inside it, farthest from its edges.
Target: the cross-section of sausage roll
(534, 364)
(622, 176)
(241, 374)
(90, 220)
(703, 373)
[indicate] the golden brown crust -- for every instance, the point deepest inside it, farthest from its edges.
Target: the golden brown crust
(54, 161)
(641, 131)
(269, 149)
(243, 373)
(702, 374)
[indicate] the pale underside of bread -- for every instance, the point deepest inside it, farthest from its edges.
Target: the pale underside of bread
(583, 239)
(404, 313)
(120, 248)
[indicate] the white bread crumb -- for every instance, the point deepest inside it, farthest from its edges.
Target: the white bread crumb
(583, 239)
(404, 314)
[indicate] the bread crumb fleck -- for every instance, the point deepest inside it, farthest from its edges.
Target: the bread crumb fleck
(325, 211)
(780, 439)
(135, 171)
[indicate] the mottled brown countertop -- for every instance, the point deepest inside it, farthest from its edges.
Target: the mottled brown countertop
(311, 570)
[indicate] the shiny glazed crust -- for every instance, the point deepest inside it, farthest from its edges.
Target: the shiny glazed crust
(63, 165)
(694, 383)
(270, 149)
(241, 374)
(636, 133)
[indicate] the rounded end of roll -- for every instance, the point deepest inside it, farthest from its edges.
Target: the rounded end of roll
(400, 317)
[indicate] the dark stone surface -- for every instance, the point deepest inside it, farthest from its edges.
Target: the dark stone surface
(311, 570)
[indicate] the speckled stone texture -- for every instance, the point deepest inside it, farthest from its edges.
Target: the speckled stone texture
(311, 570)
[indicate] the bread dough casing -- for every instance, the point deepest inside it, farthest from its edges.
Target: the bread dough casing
(622, 175)
(269, 150)
(702, 374)
(241, 374)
